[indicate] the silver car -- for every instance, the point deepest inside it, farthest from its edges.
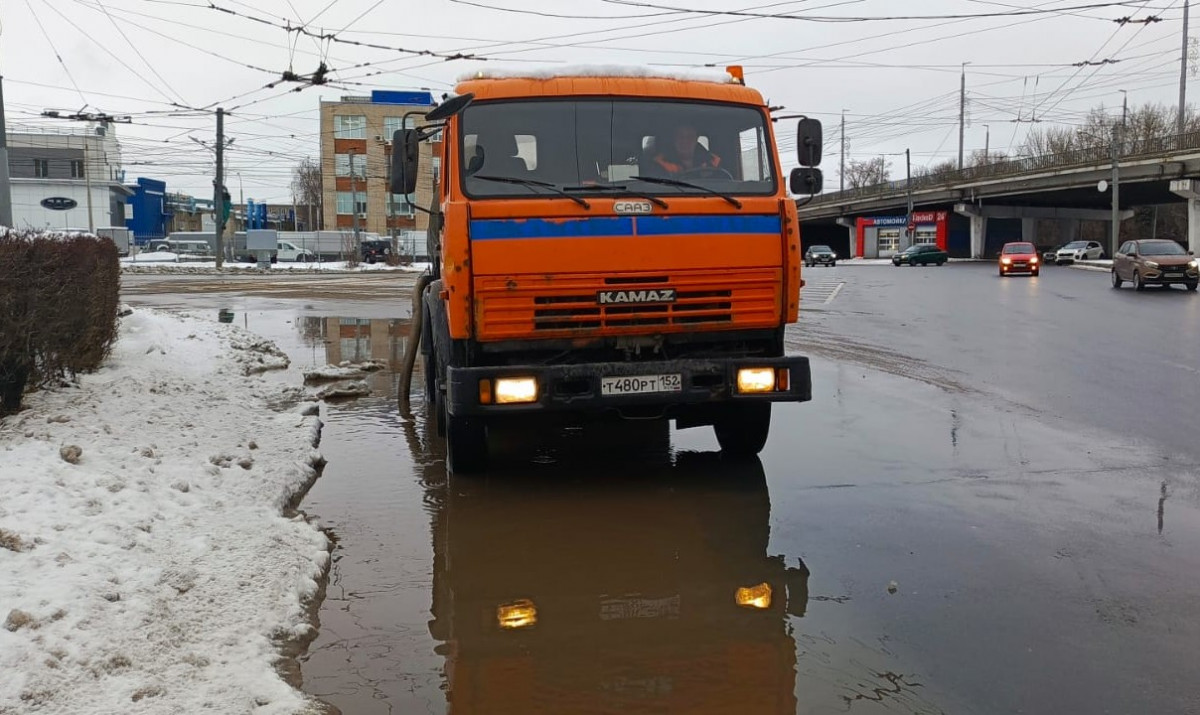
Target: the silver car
(1079, 251)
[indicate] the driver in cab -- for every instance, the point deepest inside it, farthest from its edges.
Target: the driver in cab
(685, 154)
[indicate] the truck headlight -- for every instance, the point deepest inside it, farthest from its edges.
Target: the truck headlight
(756, 379)
(516, 390)
(518, 614)
(754, 596)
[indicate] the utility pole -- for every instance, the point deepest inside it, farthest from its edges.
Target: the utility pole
(354, 198)
(87, 178)
(1116, 198)
(842, 171)
(6, 217)
(1124, 116)
(908, 183)
(962, 113)
(1183, 67)
(219, 190)
(987, 145)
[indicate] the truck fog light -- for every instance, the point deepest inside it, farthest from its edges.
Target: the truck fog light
(754, 596)
(756, 379)
(516, 390)
(518, 614)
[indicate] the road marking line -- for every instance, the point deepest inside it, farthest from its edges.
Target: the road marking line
(835, 292)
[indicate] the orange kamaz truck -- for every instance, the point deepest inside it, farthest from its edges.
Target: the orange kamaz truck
(614, 245)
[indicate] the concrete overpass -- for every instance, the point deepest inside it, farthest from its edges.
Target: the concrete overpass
(1061, 187)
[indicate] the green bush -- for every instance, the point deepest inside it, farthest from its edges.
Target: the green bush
(58, 308)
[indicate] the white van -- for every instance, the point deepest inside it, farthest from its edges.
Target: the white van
(288, 251)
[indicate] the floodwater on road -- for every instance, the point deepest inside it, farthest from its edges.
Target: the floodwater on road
(902, 546)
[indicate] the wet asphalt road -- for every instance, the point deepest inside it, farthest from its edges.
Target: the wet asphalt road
(962, 447)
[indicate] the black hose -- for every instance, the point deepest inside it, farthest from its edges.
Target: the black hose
(414, 341)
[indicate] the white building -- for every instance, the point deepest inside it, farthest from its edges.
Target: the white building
(52, 169)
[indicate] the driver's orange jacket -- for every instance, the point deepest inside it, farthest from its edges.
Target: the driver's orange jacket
(709, 161)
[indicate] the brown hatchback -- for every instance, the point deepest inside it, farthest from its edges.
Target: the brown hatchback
(1155, 262)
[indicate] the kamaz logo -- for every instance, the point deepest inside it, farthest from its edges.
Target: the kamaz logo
(659, 295)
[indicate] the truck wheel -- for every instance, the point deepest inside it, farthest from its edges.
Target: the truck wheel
(743, 427)
(466, 445)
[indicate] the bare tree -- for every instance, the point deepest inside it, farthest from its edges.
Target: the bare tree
(868, 173)
(940, 169)
(1144, 125)
(307, 190)
(979, 158)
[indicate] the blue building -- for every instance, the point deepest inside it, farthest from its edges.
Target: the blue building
(150, 210)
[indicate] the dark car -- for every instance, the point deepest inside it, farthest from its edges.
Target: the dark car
(1155, 262)
(376, 251)
(922, 253)
(820, 254)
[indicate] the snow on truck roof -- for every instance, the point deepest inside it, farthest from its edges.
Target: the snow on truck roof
(609, 71)
(607, 80)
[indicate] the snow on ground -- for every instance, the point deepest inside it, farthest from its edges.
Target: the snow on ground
(151, 257)
(211, 267)
(159, 573)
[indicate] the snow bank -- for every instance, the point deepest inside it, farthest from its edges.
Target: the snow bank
(210, 267)
(148, 563)
(345, 371)
(685, 75)
(151, 257)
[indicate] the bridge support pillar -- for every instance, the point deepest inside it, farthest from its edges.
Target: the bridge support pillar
(1194, 225)
(978, 235)
(1029, 230)
(1068, 230)
(978, 227)
(1190, 190)
(852, 227)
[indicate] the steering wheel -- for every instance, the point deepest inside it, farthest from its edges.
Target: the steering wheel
(706, 172)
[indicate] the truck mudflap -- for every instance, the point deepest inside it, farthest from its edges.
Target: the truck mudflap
(600, 387)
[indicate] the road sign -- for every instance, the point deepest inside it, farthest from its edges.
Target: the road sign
(912, 225)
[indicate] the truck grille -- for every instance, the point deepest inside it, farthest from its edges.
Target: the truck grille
(545, 306)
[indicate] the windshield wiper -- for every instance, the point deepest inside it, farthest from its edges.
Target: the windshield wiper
(534, 182)
(619, 187)
(689, 185)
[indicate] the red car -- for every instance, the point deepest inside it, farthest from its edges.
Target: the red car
(1019, 258)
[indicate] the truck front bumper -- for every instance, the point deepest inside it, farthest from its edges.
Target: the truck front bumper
(578, 388)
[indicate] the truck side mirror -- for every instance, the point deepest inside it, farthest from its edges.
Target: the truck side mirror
(806, 181)
(405, 158)
(808, 141)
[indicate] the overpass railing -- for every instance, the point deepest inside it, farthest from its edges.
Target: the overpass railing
(1076, 158)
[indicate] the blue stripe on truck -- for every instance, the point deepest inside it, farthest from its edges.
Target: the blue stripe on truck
(498, 229)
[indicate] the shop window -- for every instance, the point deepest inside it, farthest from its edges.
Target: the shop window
(889, 240)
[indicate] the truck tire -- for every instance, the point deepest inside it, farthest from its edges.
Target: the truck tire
(742, 428)
(466, 445)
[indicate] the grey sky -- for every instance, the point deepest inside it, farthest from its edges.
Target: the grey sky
(898, 80)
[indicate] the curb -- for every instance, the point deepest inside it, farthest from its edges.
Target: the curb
(1091, 266)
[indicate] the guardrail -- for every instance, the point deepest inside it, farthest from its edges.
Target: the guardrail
(1078, 158)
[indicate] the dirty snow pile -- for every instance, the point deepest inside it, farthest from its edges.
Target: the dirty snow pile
(344, 371)
(149, 562)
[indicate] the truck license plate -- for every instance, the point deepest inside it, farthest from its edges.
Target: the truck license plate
(640, 384)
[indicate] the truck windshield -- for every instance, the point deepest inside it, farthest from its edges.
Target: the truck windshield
(599, 142)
